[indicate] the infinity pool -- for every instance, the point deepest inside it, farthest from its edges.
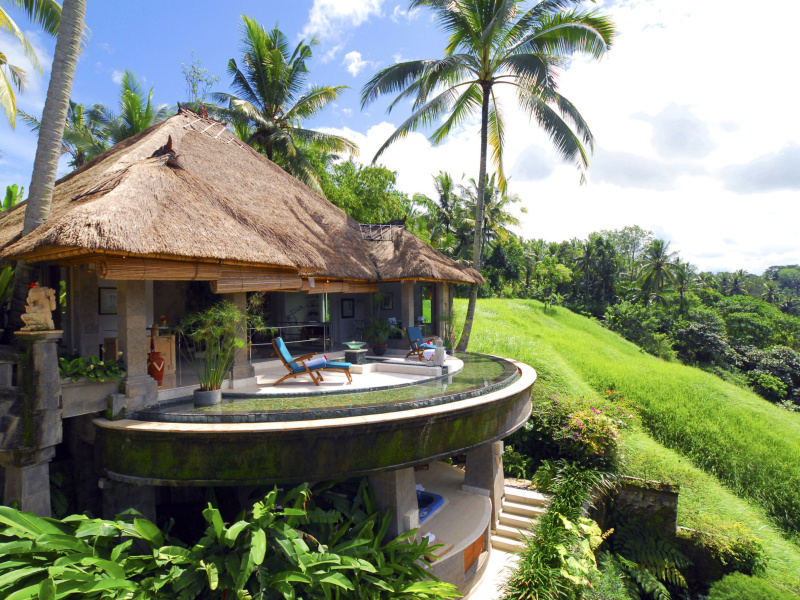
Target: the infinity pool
(481, 375)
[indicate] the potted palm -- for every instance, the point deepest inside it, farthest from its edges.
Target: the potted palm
(220, 332)
(378, 333)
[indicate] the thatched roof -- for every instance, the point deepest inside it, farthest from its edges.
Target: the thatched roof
(209, 197)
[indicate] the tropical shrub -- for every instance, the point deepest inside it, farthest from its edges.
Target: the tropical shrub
(558, 560)
(516, 464)
(643, 326)
(738, 586)
(91, 368)
(283, 548)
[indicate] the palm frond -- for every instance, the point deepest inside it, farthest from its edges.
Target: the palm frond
(324, 141)
(7, 100)
(564, 34)
(316, 99)
(568, 145)
(8, 24)
(496, 140)
(467, 104)
(395, 78)
(45, 13)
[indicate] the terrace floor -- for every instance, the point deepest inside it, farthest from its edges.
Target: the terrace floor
(393, 371)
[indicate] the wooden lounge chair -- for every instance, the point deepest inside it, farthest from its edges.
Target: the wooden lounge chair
(298, 366)
(418, 343)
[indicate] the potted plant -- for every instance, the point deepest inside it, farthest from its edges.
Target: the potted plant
(220, 331)
(378, 333)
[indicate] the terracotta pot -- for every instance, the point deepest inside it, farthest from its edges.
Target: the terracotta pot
(155, 367)
(209, 398)
(379, 349)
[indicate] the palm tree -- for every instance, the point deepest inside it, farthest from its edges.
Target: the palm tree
(771, 292)
(683, 278)
(656, 270)
(494, 43)
(272, 99)
(48, 149)
(135, 114)
(442, 208)
(496, 202)
(584, 265)
(47, 13)
(85, 134)
(736, 284)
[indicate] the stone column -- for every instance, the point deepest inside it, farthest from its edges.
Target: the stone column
(396, 490)
(484, 475)
(407, 303)
(32, 424)
(139, 389)
(243, 373)
(443, 309)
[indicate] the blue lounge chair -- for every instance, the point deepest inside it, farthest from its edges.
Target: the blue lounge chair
(418, 343)
(298, 366)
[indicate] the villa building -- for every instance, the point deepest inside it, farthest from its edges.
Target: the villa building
(165, 222)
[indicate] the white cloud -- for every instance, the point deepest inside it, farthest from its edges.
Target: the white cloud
(409, 15)
(106, 47)
(354, 63)
(328, 20)
(116, 76)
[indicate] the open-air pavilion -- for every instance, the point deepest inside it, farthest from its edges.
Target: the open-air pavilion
(184, 213)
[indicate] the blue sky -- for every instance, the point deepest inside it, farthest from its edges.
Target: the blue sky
(697, 135)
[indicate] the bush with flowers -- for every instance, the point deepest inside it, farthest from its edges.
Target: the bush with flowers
(575, 429)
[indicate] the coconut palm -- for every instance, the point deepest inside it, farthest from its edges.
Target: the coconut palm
(85, 134)
(47, 14)
(736, 284)
(585, 264)
(135, 113)
(272, 97)
(495, 43)
(683, 278)
(771, 293)
(496, 203)
(656, 270)
(48, 149)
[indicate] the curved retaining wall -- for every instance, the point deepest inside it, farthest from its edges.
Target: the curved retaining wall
(153, 453)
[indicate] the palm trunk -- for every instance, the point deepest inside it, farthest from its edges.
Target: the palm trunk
(477, 245)
(48, 149)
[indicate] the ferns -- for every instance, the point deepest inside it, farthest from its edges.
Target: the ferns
(650, 560)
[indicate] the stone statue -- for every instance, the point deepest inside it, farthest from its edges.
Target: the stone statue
(38, 309)
(439, 355)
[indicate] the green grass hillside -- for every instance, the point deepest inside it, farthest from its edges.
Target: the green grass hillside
(721, 439)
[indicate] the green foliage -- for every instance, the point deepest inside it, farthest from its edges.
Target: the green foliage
(217, 333)
(640, 325)
(283, 548)
(92, 368)
(649, 559)
(767, 385)
(198, 80)
(367, 193)
(13, 197)
(272, 100)
(516, 464)
(738, 586)
(714, 439)
(610, 582)
(558, 560)
(743, 553)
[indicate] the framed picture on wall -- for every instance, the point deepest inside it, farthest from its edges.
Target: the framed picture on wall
(348, 308)
(107, 301)
(387, 302)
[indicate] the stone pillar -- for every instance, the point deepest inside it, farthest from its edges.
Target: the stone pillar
(484, 475)
(119, 497)
(243, 373)
(27, 480)
(396, 490)
(407, 303)
(443, 310)
(32, 419)
(139, 389)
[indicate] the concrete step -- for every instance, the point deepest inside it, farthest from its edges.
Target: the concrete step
(526, 497)
(524, 510)
(513, 533)
(516, 521)
(508, 544)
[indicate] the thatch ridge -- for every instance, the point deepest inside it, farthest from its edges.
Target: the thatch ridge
(213, 198)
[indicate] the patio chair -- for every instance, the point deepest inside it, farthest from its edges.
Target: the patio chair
(303, 365)
(418, 343)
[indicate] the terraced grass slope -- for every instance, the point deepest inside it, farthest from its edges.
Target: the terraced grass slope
(721, 439)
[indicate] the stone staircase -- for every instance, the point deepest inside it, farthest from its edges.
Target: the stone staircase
(519, 510)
